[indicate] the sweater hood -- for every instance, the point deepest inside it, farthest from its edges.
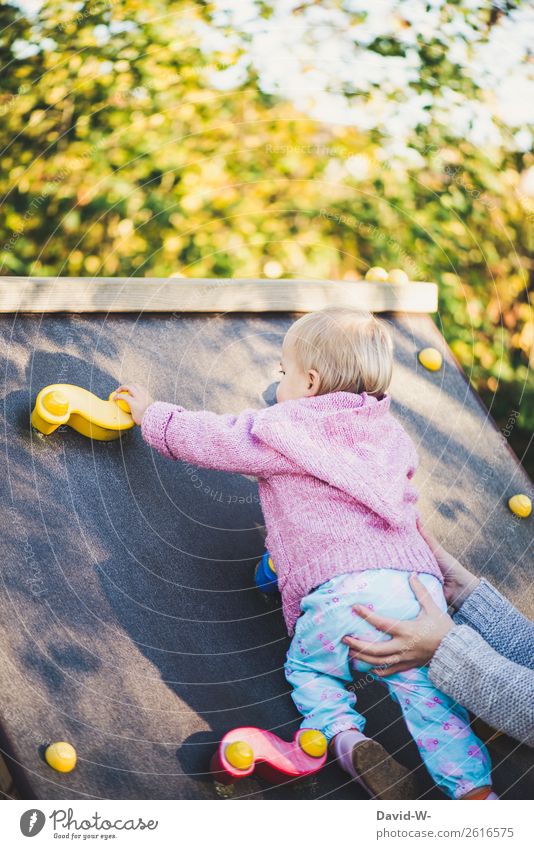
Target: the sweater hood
(348, 441)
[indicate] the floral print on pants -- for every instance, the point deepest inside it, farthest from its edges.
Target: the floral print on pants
(318, 669)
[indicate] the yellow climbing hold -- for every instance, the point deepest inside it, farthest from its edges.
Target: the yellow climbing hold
(398, 276)
(61, 756)
(377, 274)
(521, 505)
(56, 402)
(313, 743)
(431, 359)
(122, 404)
(66, 404)
(239, 755)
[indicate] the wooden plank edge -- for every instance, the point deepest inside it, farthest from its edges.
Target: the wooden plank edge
(142, 294)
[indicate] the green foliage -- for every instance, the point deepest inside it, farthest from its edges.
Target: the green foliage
(121, 158)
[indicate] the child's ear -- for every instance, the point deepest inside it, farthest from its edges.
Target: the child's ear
(313, 383)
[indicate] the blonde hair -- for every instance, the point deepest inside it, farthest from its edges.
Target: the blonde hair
(352, 351)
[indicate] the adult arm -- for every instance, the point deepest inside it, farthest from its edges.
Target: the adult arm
(462, 664)
(481, 606)
(498, 623)
(497, 690)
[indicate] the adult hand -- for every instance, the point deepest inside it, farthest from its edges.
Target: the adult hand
(459, 583)
(413, 642)
(137, 398)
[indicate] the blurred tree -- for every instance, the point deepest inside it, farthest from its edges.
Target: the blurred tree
(146, 140)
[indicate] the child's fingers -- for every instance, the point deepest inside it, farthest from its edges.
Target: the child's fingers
(130, 385)
(131, 390)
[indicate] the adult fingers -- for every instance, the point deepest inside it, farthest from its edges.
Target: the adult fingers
(401, 666)
(422, 594)
(363, 650)
(433, 543)
(388, 626)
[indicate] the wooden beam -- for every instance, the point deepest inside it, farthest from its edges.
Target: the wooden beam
(155, 294)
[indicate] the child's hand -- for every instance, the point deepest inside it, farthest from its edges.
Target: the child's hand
(137, 398)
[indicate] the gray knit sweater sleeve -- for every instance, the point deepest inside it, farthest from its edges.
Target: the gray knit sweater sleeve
(497, 690)
(499, 623)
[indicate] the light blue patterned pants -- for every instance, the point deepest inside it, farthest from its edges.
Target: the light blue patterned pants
(318, 668)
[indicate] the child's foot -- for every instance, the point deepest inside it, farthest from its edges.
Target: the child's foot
(373, 767)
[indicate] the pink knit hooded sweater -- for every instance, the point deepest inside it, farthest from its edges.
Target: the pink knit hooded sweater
(334, 476)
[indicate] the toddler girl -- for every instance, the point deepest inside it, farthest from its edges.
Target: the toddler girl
(334, 471)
